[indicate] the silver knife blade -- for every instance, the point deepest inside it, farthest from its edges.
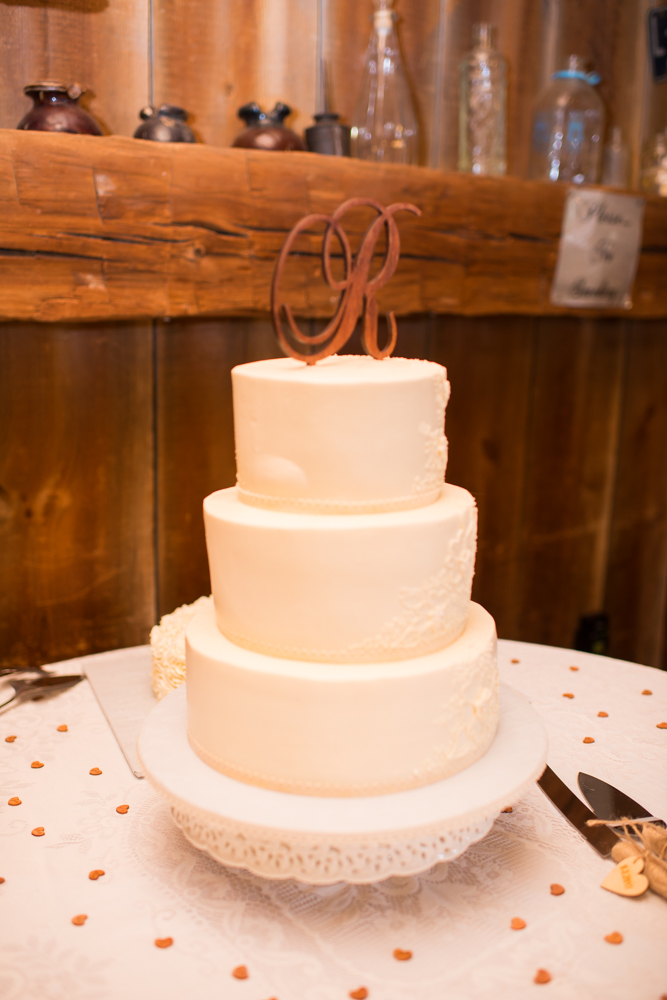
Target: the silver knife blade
(601, 838)
(610, 803)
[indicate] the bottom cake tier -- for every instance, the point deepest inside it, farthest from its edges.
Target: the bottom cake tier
(341, 729)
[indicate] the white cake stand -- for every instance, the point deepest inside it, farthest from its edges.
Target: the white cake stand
(326, 840)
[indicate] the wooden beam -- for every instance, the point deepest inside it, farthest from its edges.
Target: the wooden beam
(112, 228)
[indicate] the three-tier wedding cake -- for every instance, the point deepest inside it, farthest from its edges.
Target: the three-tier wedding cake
(342, 655)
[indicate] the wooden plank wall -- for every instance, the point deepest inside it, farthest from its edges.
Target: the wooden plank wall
(215, 55)
(112, 434)
(557, 426)
(76, 489)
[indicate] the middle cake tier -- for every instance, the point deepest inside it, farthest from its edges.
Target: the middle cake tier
(360, 588)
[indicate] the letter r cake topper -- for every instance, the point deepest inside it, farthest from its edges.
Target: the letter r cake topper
(358, 291)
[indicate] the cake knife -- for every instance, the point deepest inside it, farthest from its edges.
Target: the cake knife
(610, 803)
(601, 838)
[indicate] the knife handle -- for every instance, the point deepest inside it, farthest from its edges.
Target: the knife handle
(655, 871)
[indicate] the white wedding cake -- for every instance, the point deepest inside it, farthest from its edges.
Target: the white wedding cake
(341, 654)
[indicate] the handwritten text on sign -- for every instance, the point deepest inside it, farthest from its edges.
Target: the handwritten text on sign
(598, 251)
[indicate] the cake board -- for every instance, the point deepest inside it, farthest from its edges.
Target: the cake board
(322, 841)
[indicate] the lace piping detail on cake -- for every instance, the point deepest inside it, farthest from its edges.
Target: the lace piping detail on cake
(469, 717)
(435, 442)
(433, 614)
(419, 498)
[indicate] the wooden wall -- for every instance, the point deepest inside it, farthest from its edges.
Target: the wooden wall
(114, 435)
(214, 55)
(111, 434)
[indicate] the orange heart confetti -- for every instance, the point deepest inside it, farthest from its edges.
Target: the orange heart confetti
(402, 956)
(588, 739)
(661, 725)
(574, 668)
(556, 889)
(94, 770)
(36, 763)
(14, 801)
(614, 938)
(240, 972)
(603, 715)
(80, 919)
(122, 809)
(359, 994)
(515, 661)
(95, 874)
(38, 831)
(1, 880)
(507, 809)
(568, 695)
(517, 924)
(163, 942)
(542, 976)
(9, 739)
(646, 691)
(62, 729)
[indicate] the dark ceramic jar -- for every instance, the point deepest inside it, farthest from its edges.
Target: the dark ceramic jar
(328, 136)
(55, 109)
(164, 124)
(266, 131)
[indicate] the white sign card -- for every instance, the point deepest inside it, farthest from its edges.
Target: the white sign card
(598, 250)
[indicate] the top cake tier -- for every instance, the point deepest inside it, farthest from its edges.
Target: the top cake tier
(347, 435)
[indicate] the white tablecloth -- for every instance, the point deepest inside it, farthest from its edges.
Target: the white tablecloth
(304, 943)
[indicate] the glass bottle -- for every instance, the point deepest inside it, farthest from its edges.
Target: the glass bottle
(615, 161)
(568, 127)
(483, 106)
(653, 175)
(384, 126)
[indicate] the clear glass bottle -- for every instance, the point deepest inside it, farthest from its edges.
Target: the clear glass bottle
(653, 175)
(384, 126)
(568, 127)
(483, 106)
(615, 161)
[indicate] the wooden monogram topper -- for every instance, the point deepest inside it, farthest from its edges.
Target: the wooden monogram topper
(358, 293)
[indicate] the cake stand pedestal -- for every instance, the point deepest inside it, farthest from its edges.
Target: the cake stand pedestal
(326, 840)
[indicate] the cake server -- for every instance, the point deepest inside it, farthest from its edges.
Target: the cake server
(601, 838)
(610, 803)
(39, 686)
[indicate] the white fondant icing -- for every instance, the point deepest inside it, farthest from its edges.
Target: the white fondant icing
(342, 588)
(349, 434)
(343, 729)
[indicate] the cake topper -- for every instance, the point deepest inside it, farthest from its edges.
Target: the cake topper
(358, 292)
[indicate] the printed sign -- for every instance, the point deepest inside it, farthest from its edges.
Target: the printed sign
(598, 250)
(657, 42)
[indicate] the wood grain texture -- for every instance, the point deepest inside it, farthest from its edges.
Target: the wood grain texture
(76, 493)
(117, 228)
(195, 439)
(218, 56)
(489, 365)
(570, 469)
(101, 44)
(636, 593)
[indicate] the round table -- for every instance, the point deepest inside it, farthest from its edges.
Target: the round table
(324, 943)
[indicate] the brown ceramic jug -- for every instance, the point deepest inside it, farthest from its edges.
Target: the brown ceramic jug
(266, 131)
(164, 124)
(55, 109)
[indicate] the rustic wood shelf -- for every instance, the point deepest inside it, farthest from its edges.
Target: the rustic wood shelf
(115, 228)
